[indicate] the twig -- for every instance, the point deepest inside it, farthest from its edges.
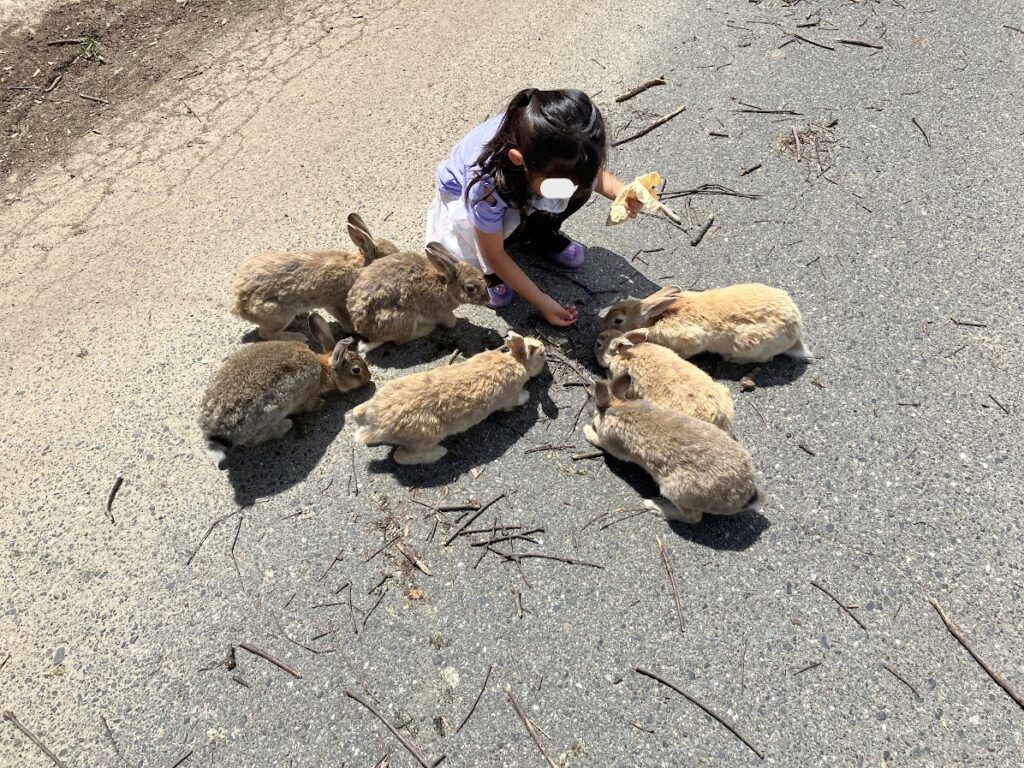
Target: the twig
(902, 679)
(354, 478)
(412, 748)
(473, 517)
(97, 99)
(67, 41)
(53, 83)
(644, 131)
(590, 455)
(387, 544)
(1002, 407)
(469, 506)
(702, 705)
(861, 43)
(454, 356)
(507, 537)
(917, 125)
(234, 541)
(752, 110)
(959, 635)
(751, 169)
(206, 535)
(515, 557)
(803, 39)
(230, 663)
(182, 759)
(369, 613)
(8, 715)
(967, 323)
(1015, 29)
(840, 603)
(695, 241)
(711, 189)
(415, 561)
(806, 450)
(113, 741)
(110, 497)
(477, 701)
(660, 80)
(672, 583)
(808, 668)
(530, 727)
(337, 559)
(4, 662)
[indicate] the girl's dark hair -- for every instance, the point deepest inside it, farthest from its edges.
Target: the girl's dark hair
(560, 134)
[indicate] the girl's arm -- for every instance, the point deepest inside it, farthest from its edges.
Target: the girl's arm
(492, 247)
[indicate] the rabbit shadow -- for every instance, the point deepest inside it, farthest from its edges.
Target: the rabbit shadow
(273, 467)
(476, 447)
(779, 371)
(734, 533)
(469, 338)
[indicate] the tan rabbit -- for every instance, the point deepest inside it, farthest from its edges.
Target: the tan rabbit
(698, 468)
(255, 390)
(408, 295)
(271, 289)
(663, 378)
(748, 323)
(418, 411)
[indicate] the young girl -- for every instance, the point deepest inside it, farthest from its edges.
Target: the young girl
(492, 188)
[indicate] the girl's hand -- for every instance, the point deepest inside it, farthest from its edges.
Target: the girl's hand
(557, 314)
(633, 207)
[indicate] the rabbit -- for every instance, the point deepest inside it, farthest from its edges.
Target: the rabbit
(406, 296)
(748, 323)
(699, 469)
(271, 289)
(663, 378)
(418, 411)
(255, 390)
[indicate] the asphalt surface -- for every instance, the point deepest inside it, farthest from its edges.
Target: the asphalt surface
(891, 464)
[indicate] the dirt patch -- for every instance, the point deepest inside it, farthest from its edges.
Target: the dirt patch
(812, 146)
(62, 74)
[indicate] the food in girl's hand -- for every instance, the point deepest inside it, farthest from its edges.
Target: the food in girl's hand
(642, 188)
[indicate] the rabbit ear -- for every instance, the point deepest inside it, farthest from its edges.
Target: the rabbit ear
(657, 308)
(602, 393)
(516, 345)
(442, 260)
(361, 236)
(620, 343)
(533, 348)
(338, 355)
(321, 331)
(639, 336)
(620, 384)
(668, 290)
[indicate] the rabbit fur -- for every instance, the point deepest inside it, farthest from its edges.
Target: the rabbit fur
(418, 411)
(406, 296)
(699, 469)
(747, 323)
(271, 289)
(663, 378)
(255, 390)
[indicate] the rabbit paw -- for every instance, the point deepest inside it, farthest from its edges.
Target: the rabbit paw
(591, 434)
(369, 346)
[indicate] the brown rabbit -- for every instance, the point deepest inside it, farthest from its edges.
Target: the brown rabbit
(271, 289)
(255, 390)
(408, 295)
(418, 411)
(663, 378)
(749, 323)
(698, 468)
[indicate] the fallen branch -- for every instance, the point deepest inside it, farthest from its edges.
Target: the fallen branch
(660, 80)
(860, 43)
(903, 680)
(751, 169)
(9, 716)
(672, 583)
(97, 99)
(917, 125)
(644, 131)
(841, 604)
(67, 41)
(182, 759)
(206, 535)
(713, 189)
(515, 557)
(808, 40)
(231, 662)
(959, 635)
(110, 497)
(530, 727)
(702, 705)
(477, 700)
(473, 517)
(412, 748)
(695, 240)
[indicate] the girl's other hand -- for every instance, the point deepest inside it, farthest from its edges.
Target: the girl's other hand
(557, 314)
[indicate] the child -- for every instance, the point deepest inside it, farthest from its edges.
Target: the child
(493, 184)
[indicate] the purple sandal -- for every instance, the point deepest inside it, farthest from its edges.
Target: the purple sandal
(501, 296)
(572, 256)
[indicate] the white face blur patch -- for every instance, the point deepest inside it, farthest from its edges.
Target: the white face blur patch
(557, 189)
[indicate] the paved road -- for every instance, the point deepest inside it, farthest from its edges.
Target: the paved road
(891, 465)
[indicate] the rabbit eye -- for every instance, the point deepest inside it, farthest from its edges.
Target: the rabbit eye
(471, 289)
(618, 320)
(356, 370)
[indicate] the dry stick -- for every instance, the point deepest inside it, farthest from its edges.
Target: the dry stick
(644, 131)
(751, 169)
(806, 450)
(659, 80)
(263, 655)
(473, 517)
(702, 705)
(110, 497)
(591, 455)
(917, 125)
(67, 41)
(629, 515)
(97, 99)
(1002, 407)
(902, 679)
(813, 42)
(8, 715)
(812, 665)
(1015, 29)
(840, 603)
(672, 583)
(454, 356)
(412, 748)
(4, 662)
(861, 43)
(477, 701)
(959, 635)
(206, 535)
(507, 537)
(759, 111)
(695, 241)
(53, 83)
(530, 727)
(234, 542)
(515, 557)
(369, 613)
(182, 759)
(113, 741)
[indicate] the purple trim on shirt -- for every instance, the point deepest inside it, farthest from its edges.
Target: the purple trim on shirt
(486, 207)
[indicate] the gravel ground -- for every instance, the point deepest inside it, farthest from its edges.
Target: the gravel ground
(890, 464)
